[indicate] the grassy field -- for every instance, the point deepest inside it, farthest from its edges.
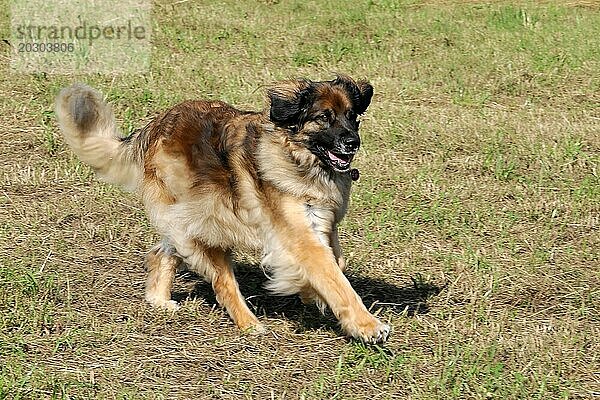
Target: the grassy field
(474, 229)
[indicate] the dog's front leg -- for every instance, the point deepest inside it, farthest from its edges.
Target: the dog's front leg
(307, 262)
(337, 249)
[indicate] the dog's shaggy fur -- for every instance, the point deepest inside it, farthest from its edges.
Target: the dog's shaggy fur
(214, 178)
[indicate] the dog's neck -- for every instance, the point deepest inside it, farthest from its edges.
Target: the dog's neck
(298, 173)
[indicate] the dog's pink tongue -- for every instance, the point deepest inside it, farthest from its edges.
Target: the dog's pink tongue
(336, 158)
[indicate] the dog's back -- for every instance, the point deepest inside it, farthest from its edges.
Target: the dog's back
(199, 174)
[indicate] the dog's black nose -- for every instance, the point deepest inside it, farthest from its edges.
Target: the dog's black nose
(352, 143)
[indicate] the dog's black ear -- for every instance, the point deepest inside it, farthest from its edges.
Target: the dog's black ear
(360, 92)
(366, 93)
(289, 100)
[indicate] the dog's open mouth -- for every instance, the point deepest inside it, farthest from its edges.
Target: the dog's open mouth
(339, 161)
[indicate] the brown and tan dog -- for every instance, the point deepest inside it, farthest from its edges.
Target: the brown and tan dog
(214, 178)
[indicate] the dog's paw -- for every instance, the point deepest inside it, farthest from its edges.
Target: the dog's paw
(170, 305)
(372, 332)
(255, 330)
(379, 335)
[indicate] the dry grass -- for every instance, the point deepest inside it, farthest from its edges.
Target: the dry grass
(474, 228)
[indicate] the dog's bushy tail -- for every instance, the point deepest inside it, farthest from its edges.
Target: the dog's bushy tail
(89, 127)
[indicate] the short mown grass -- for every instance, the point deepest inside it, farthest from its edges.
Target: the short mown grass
(473, 230)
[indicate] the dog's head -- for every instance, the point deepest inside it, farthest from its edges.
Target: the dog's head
(323, 116)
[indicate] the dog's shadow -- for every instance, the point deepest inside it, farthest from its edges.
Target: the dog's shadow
(377, 295)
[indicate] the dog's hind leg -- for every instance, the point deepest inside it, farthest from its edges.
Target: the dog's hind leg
(215, 266)
(161, 264)
(228, 293)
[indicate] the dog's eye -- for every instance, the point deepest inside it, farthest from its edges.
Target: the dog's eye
(323, 117)
(351, 115)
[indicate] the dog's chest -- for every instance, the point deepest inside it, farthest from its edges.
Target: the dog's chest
(321, 220)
